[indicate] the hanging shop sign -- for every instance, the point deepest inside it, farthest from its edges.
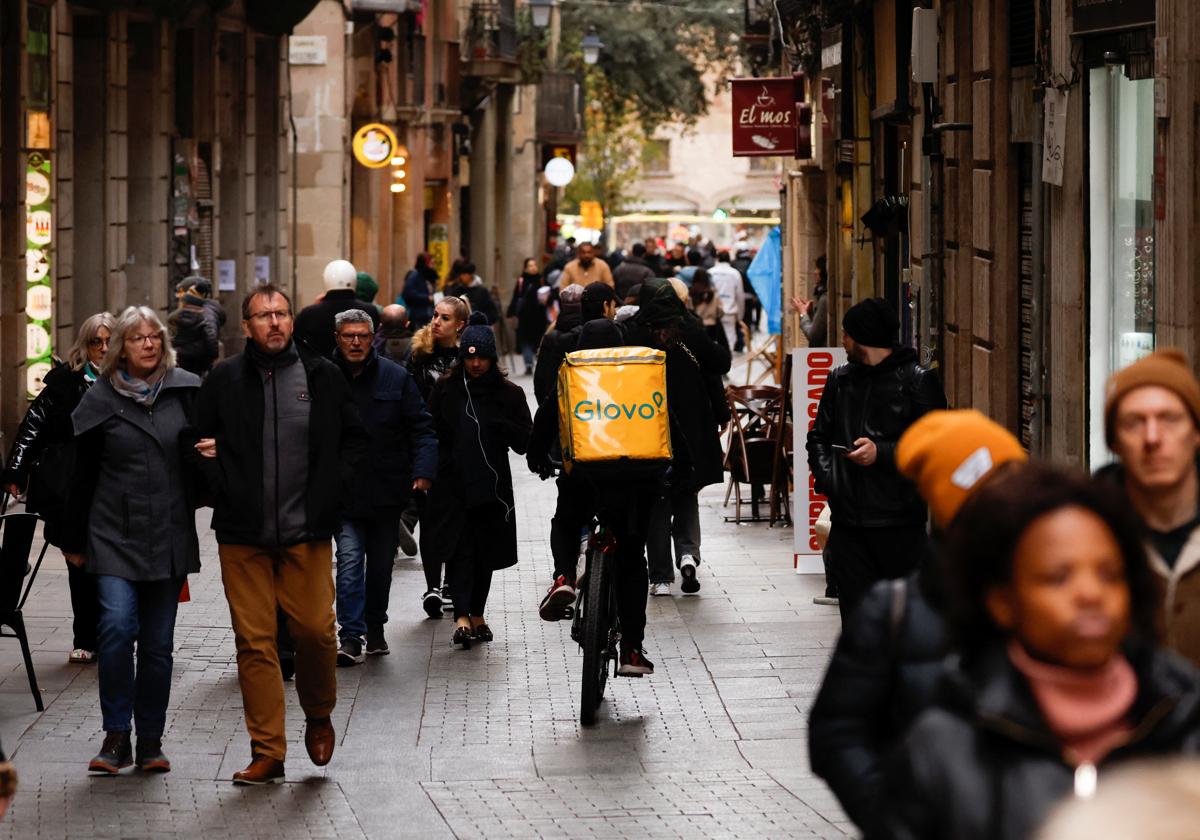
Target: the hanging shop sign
(550, 151)
(374, 144)
(438, 245)
(39, 294)
(764, 115)
(811, 367)
(1102, 15)
(1053, 143)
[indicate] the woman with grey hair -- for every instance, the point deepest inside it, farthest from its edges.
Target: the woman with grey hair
(43, 456)
(131, 524)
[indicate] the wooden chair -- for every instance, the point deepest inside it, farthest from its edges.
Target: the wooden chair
(16, 580)
(751, 447)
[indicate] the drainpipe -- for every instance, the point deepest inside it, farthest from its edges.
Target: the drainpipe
(295, 174)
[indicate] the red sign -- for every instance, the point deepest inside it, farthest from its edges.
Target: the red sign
(764, 113)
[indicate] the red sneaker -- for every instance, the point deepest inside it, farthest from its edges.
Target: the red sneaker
(634, 663)
(560, 596)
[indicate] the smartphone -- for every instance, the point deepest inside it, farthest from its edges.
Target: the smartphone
(837, 447)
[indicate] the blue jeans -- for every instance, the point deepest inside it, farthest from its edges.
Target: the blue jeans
(366, 550)
(527, 353)
(142, 612)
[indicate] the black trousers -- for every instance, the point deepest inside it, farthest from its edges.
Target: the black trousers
(85, 605)
(573, 513)
(470, 573)
(859, 557)
(626, 509)
(431, 560)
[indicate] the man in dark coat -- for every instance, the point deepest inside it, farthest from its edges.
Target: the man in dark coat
(403, 455)
(469, 285)
(633, 271)
(598, 300)
(196, 326)
(417, 296)
(314, 324)
(878, 518)
(695, 364)
(287, 443)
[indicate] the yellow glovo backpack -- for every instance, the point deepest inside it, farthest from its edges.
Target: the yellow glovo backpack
(612, 410)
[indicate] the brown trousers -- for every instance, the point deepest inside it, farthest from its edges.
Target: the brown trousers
(299, 578)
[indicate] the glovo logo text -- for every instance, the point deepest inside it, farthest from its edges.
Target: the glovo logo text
(589, 410)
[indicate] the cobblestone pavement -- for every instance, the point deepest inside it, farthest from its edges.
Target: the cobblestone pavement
(439, 743)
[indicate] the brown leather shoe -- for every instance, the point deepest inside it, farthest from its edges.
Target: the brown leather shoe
(319, 739)
(262, 771)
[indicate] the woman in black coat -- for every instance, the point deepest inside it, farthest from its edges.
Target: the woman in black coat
(1057, 677)
(529, 310)
(131, 524)
(43, 457)
(479, 415)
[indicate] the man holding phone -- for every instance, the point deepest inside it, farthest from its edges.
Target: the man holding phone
(878, 519)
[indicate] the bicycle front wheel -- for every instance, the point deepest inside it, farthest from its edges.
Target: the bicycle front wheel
(596, 623)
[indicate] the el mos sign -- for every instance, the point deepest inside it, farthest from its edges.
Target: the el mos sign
(771, 117)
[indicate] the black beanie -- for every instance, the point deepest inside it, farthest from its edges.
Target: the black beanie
(477, 341)
(872, 322)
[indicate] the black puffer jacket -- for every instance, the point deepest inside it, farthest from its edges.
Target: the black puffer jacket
(316, 322)
(427, 368)
(883, 675)
(42, 458)
(195, 335)
(982, 764)
(878, 402)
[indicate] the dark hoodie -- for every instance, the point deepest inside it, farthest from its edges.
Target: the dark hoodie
(195, 333)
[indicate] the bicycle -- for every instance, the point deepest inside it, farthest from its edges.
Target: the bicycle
(595, 623)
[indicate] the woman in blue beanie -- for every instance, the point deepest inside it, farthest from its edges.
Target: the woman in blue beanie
(479, 415)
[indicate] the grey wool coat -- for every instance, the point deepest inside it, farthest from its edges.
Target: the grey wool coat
(132, 510)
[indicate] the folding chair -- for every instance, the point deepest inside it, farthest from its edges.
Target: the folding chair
(16, 580)
(751, 453)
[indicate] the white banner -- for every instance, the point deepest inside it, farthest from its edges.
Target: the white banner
(811, 366)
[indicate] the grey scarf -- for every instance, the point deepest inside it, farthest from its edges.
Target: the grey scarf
(141, 391)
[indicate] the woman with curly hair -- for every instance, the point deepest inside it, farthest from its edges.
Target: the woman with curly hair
(1057, 675)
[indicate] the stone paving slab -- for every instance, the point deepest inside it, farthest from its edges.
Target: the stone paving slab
(439, 743)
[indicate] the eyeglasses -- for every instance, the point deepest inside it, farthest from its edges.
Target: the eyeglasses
(98, 342)
(271, 315)
(355, 338)
(151, 338)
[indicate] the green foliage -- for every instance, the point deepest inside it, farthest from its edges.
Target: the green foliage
(610, 159)
(658, 58)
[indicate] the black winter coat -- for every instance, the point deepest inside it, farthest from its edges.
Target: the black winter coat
(402, 445)
(884, 673)
(195, 335)
(43, 451)
(529, 311)
(878, 402)
(480, 299)
(473, 470)
(231, 409)
(695, 395)
(554, 348)
(982, 764)
(315, 323)
(427, 368)
(633, 271)
(418, 297)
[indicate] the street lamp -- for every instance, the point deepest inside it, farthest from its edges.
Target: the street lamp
(591, 46)
(541, 9)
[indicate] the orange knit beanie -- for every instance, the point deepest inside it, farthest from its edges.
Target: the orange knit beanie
(1167, 368)
(948, 453)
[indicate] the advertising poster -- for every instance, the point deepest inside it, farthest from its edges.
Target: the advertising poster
(811, 366)
(39, 294)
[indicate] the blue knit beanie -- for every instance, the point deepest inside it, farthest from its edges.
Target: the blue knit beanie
(477, 341)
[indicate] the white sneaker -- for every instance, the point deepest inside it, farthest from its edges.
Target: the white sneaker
(660, 589)
(687, 573)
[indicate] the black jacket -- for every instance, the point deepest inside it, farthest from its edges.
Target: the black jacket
(554, 348)
(427, 368)
(877, 402)
(195, 335)
(982, 764)
(633, 271)
(315, 323)
(403, 446)
(884, 673)
(479, 297)
(530, 312)
(42, 457)
(474, 480)
(231, 408)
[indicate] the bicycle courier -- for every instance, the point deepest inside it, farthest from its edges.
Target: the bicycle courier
(612, 409)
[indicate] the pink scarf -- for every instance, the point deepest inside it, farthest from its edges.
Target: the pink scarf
(1086, 710)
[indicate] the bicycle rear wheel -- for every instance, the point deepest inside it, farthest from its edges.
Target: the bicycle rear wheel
(596, 623)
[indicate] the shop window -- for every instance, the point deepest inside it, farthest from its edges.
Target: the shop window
(1121, 232)
(764, 165)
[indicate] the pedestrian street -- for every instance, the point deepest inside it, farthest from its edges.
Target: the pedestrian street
(485, 743)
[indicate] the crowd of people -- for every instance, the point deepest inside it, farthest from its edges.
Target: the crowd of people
(1044, 632)
(144, 423)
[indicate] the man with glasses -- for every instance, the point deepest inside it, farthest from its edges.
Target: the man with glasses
(283, 440)
(1152, 424)
(403, 461)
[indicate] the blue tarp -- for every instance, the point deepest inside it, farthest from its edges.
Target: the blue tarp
(766, 276)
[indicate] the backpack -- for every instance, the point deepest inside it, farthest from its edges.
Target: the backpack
(612, 408)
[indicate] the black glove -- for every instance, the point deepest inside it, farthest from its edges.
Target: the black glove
(539, 465)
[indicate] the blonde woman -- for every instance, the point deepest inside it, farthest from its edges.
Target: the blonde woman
(131, 524)
(43, 456)
(435, 346)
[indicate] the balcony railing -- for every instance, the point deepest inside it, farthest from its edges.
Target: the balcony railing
(559, 108)
(492, 31)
